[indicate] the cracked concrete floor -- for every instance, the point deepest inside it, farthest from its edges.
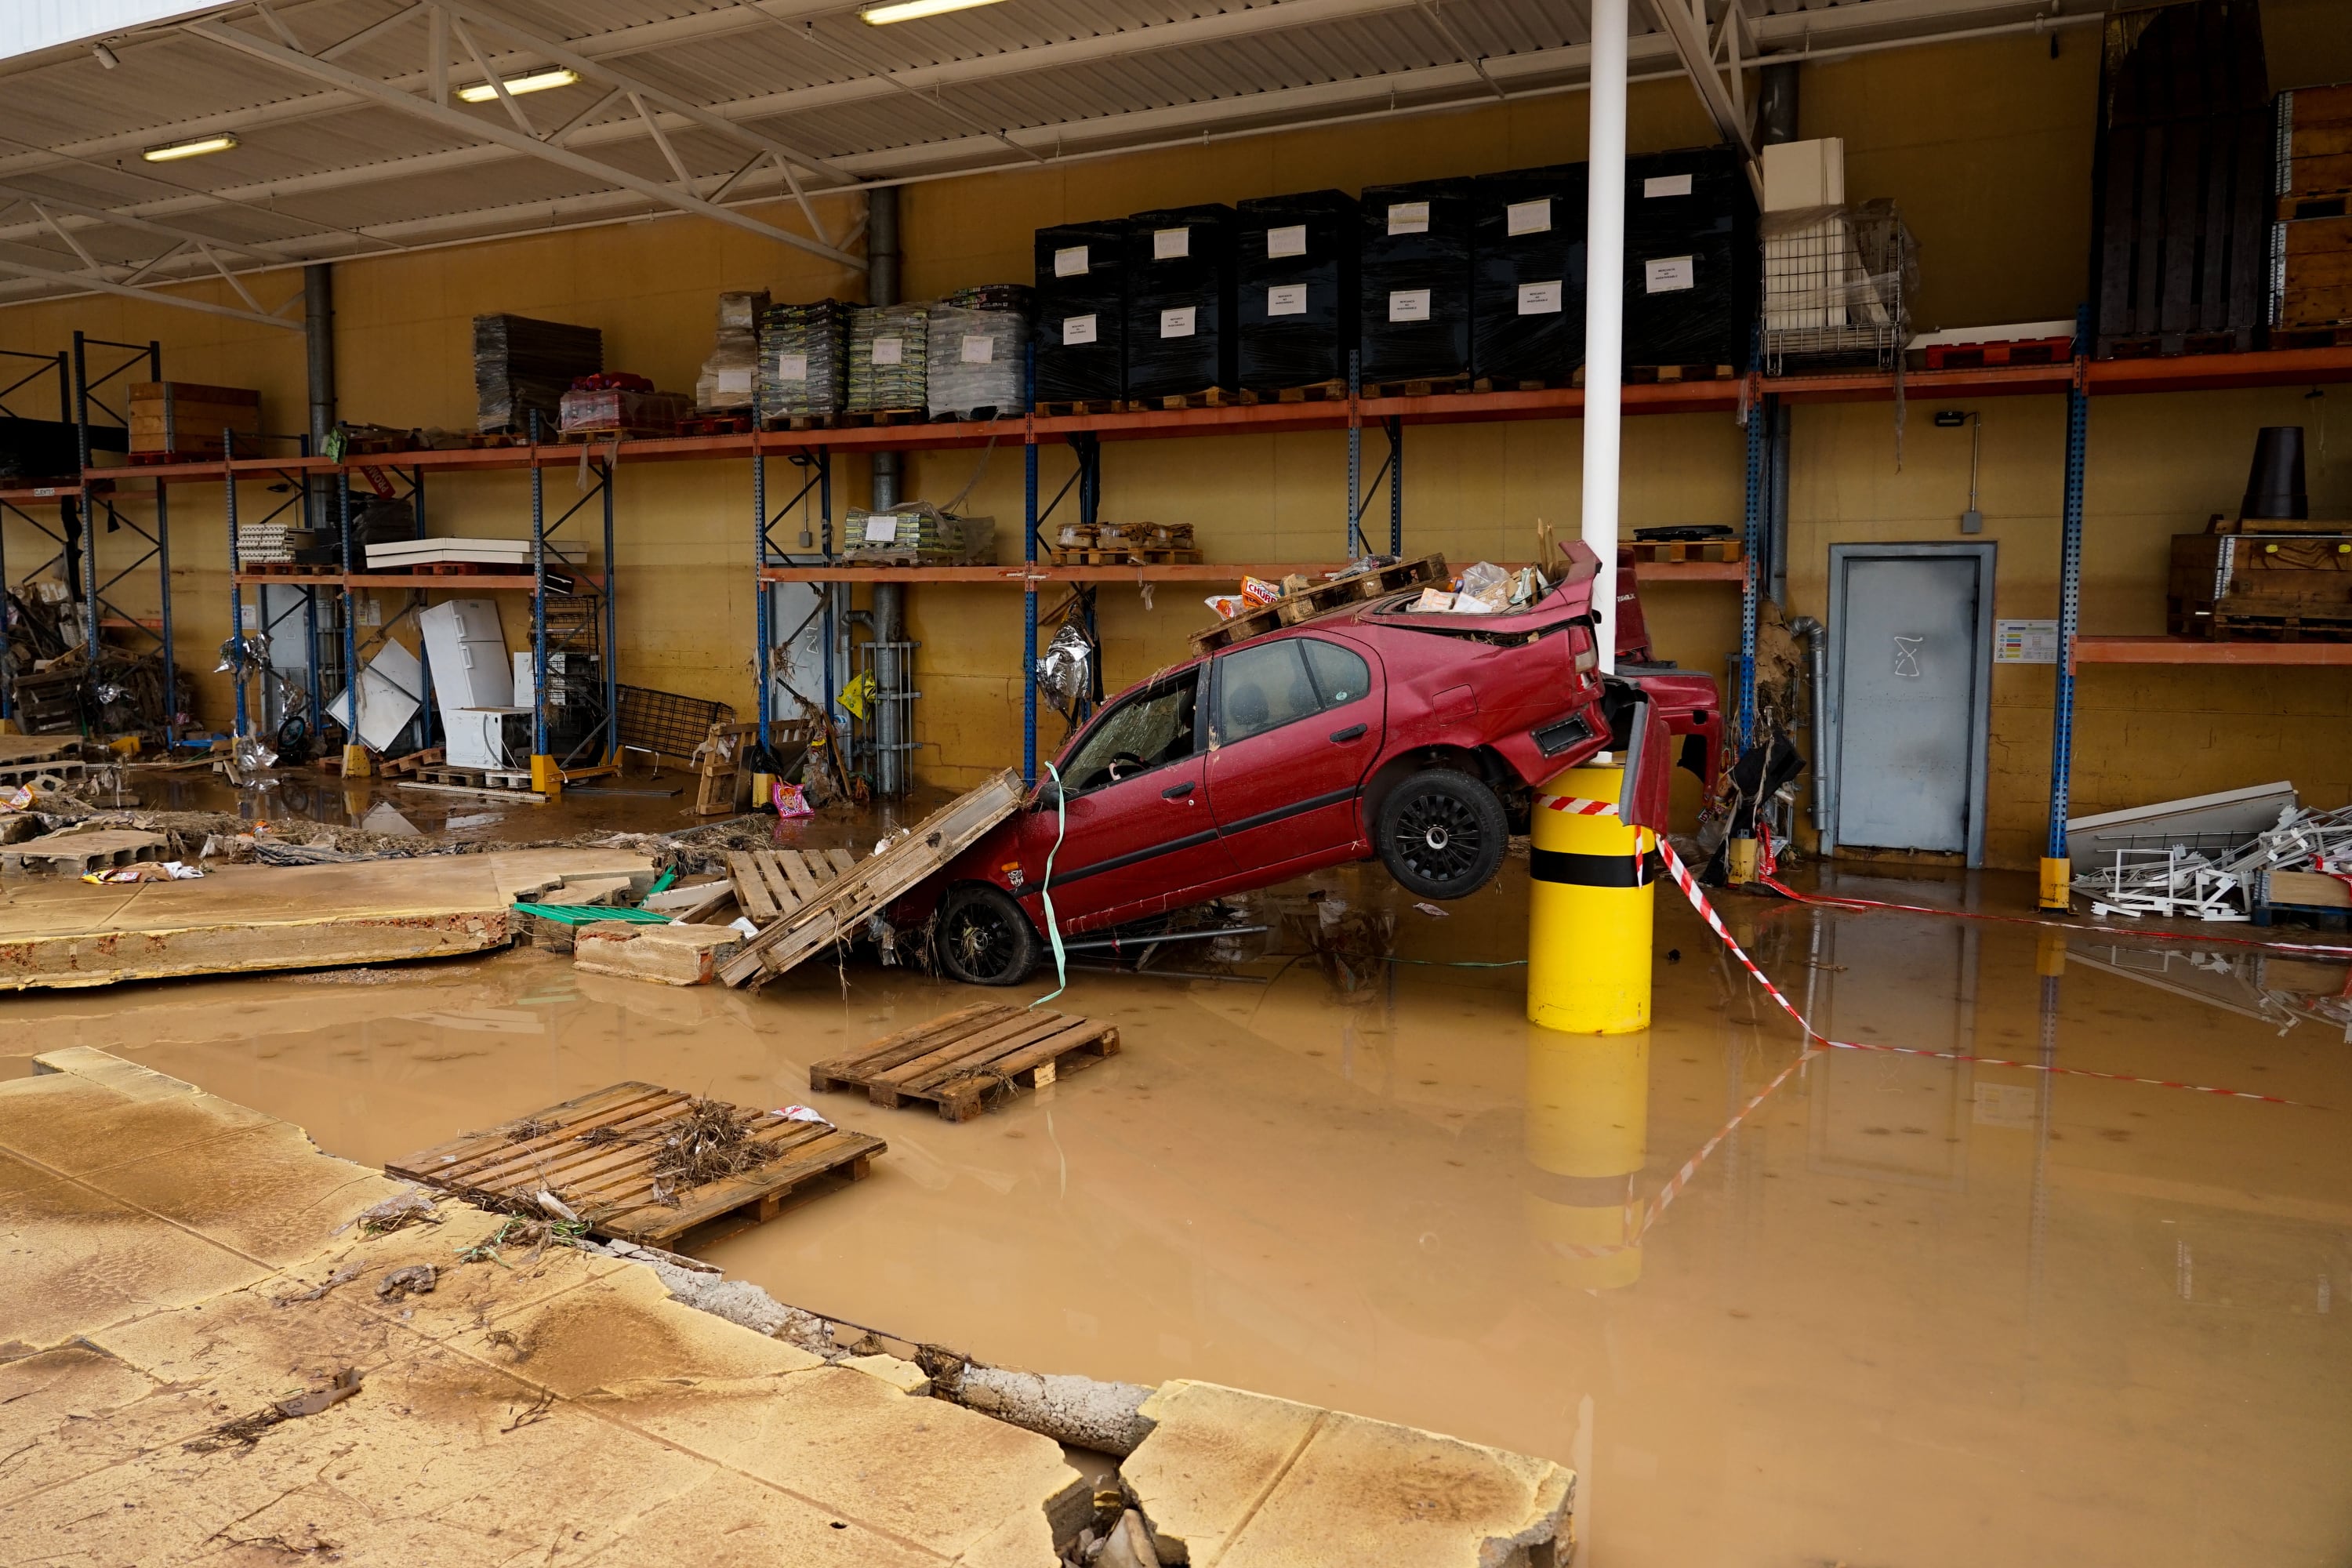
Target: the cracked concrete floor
(1914, 1310)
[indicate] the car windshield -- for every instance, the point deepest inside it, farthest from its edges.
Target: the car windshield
(1145, 731)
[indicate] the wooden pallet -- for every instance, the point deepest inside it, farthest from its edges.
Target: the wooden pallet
(1069, 408)
(609, 1184)
(20, 749)
(1518, 384)
(1650, 375)
(295, 569)
(837, 911)
(858, 418)
(801, 422)
(956, 1062)
(1142, 555)
(772, 883)
(57, 771)
(479, 439)
(1676, 551)
(70, 854)
(489, 781)
(2336, 335)
(393, 767)
(718, 425)
(615, 433)
(1207, 397)
(1314, 392)
(1295, 607)
(1435, 386)
(1977, 356)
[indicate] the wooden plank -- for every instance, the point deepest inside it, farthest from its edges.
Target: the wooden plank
(983, 1044)
(771, 1187)
(750, 887)
(842, 861)
(458, 1154)
(847, 900)
(504, 1161)
(796, 872)
(786, 896)
(904, 1046)
(1104, 1038)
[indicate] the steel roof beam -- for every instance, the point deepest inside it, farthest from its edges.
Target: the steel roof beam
(79, 280)
(468, 126)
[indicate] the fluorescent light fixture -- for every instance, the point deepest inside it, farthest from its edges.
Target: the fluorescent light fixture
(908, 10)
(536, 82)
(195, 149)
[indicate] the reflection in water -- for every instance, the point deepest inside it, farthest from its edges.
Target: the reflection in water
(1588, 1119)
(2281, 989)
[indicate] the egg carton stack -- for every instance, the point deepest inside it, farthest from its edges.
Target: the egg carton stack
(804, 363)
(888, 352)
(978, 351)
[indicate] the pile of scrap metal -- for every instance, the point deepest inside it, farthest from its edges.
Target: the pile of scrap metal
(2183, 881)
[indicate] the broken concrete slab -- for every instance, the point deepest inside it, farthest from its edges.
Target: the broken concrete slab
(903, 1375)
(249, 918)
(666, 955)
(144, 1342)
(1245, 1480)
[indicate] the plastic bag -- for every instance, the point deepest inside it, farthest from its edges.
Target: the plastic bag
(792, 801)
(730, 375)
(1227, 605)
(1486, 584)
(1432, 599)
(1065, 671)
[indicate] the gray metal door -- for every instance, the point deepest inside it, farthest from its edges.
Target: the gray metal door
(1912, 675)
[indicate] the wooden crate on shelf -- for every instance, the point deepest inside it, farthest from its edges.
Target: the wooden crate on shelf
(2289, 586)
(2315, 302)
(186, 416)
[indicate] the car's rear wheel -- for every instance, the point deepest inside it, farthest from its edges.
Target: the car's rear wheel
(983, 939)
(1441, 834)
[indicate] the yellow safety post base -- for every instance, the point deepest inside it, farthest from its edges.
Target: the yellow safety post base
(1739, 863)
(357, 763)
(10, 727)
(545, 776)
(763, 790)
(2057, 885)
(1589, 910)
(2049, 953)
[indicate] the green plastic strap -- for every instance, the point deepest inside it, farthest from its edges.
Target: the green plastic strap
(588, 914)
(1046, 891)
(662, 881)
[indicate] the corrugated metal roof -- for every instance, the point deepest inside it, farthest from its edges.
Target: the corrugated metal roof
(325, 167)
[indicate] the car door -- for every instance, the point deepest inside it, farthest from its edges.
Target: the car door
(1136, 826)
(1299, 721)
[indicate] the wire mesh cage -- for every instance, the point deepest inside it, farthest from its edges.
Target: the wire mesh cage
(1837, 287)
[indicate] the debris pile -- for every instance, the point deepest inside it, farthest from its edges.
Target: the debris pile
(2230, 883)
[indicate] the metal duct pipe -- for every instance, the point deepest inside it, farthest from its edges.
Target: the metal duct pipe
(318, 368)
(888, 625)
(1776, 104)
(1817, 674)
(1776, 122)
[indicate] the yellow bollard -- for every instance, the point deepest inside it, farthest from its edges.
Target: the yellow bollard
(763, 790)
(2058, 886)
(1739, 862)
(1588, 1117)
(545, 776)
(1589, 911)
(357, 763)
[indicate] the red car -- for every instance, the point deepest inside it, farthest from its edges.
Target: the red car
(1368, 730)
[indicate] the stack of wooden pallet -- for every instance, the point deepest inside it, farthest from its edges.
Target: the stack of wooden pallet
(183, 417)
(1125, 544)
(2314, 309)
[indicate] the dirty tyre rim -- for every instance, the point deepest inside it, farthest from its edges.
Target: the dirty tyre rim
(1442, 835)
(985, 940)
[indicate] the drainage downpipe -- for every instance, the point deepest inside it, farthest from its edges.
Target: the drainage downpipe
(318, 366)
(888, 625)
(1817, 673)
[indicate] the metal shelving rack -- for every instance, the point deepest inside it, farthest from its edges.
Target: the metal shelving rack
(1089, 434)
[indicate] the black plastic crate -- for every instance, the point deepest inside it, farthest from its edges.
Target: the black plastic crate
(1181, 334)
(1528, 302)
(1296, 305)
(1692, 263)
(1414, 281)
(1081, 330)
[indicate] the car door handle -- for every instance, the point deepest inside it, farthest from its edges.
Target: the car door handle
(1177, 792)
(1352, 733)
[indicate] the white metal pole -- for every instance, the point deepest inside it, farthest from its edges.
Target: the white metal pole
(1604, 319)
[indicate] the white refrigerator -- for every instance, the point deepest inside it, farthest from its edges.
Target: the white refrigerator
(473, 682)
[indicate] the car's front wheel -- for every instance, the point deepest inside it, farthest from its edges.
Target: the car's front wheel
(983, 939)
(1441, 834)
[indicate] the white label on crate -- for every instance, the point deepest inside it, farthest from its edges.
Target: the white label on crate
(791, 367)
(1170, 244)
(1290, 241)
(1287, 299)
(734, 382)
(2024, 642)
(1668, 273)
(978, 349)
(1540, 299)
(1528, 218)
(889, 351)
(1076, 330)
(1070, 263)
(882, 530)
(1177, 324)
(1407, 218)
(1409, 305)
(1658, 186)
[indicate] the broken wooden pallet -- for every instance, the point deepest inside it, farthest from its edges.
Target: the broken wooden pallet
(838, 911)
(1319, 598)
(957, 1061)
(772, 883)
(596, 1156)
(73, 853)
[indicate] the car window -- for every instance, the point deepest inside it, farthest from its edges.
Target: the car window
(1145, 731)
(1261, 689)
(1340, 674)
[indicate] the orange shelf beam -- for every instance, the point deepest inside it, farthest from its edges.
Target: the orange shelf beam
(2193, 650)
(1690, 571)
(1045, 572)
(467, 582)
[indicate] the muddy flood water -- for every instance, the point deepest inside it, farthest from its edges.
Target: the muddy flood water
(1912, 1312)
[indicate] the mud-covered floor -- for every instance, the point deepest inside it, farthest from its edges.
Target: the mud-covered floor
(1914, 1311)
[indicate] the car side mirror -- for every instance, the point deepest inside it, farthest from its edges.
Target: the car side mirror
(1049, 795)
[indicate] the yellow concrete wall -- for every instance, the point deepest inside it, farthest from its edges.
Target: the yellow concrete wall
(1987, 146)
